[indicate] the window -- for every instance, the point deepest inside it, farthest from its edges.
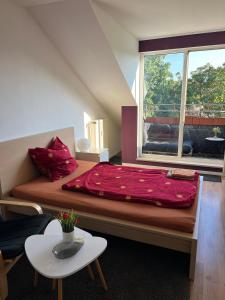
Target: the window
(183, 104)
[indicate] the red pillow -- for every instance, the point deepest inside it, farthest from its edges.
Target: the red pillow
(57, 144)
(54, 162)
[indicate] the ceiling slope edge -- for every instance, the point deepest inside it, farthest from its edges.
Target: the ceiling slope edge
(124, 47)
(29, 3)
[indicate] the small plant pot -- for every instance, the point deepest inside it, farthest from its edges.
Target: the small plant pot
(68, 236)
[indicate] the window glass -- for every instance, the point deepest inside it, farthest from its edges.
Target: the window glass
(162, 99)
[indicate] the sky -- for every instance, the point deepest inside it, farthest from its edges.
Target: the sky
(196, 59)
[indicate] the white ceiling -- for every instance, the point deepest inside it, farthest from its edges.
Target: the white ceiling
(161, 18)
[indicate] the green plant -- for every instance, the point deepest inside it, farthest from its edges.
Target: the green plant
(216, 130)
(68, 220)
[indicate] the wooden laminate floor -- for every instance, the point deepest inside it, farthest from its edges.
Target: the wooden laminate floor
(209, 281)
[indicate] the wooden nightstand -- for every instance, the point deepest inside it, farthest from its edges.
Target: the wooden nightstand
(97, 156)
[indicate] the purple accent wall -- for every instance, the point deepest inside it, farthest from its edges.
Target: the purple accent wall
(129, 142)
(183, 41)
(129, 133)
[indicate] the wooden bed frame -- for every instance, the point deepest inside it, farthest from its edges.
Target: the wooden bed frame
(17, 168)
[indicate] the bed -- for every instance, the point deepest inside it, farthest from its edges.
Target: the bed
(175, 229)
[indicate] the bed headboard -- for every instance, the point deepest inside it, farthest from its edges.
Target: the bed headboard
(15, 165)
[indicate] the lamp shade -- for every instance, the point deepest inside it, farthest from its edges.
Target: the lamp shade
(83, 144)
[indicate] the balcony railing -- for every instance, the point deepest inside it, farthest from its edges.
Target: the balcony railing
(195, 114)
(207, 110)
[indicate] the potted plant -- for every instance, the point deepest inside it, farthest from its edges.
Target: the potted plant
(68, 220)
(216, 131)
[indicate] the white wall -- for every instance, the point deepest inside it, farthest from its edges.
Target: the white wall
(38, 90)
(123, 44)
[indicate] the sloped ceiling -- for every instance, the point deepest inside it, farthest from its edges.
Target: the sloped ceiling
(151, 19)
(73, 27)
(27, 3)
(124, 46)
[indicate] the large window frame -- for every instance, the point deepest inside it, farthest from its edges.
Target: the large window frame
(166, 158)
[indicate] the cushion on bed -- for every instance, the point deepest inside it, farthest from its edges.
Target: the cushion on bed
(57, 144)
(55, 162)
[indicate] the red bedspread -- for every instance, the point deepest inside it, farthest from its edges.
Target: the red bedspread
(149, 186)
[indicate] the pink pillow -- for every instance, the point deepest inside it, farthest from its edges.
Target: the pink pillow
(55, 161)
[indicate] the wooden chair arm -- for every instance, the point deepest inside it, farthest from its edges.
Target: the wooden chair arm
(19, 203)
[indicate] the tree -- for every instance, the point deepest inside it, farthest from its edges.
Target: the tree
(206, 87)
(162, 91)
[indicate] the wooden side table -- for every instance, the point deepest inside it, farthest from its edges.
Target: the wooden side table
(96, 156)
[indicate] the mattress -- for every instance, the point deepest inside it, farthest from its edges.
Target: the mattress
(42, 191)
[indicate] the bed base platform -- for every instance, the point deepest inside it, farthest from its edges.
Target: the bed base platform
(16, 168)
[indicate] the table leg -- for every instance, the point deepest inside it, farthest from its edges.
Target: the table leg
(35, 282)
(102, 278)
(3, 280)
(90, 271)
(60, 289)
(54, 282)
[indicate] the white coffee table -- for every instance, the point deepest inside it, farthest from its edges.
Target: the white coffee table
(39, 252)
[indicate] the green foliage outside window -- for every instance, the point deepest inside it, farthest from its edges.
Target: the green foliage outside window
(162, 89)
